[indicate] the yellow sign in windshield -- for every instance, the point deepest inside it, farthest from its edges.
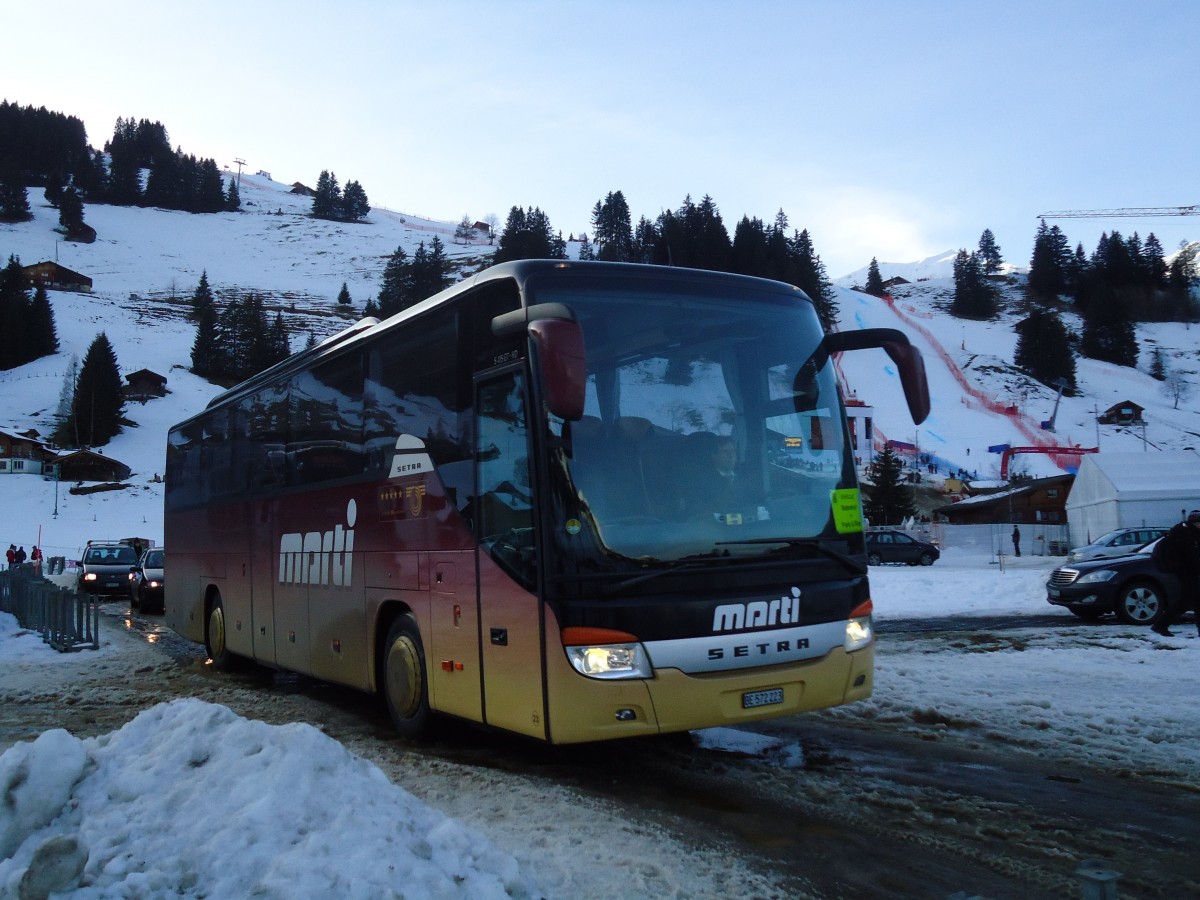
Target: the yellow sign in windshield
(847, 510)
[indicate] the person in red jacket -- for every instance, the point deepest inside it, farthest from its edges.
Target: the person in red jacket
(12, 556)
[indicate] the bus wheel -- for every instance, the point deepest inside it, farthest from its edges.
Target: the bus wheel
(405, 690)
(214, 637)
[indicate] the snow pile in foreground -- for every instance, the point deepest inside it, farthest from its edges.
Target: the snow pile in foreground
(190, 800)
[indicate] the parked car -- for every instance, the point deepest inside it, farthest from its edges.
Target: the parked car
(105, 567)
(1131, 586)
(146, 582)
(886, 546)
(1116, 543)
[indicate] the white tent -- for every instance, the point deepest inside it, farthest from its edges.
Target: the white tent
(1126, 490)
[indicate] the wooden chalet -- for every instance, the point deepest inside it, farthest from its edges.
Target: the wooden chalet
(21, 453)
(144, 385)
(1040, 501)
(1124, 413)
(54, 277)
(88, 465)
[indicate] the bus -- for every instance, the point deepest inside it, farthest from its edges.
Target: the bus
(500, 505)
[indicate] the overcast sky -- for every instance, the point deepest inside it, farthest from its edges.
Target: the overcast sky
(888, 129)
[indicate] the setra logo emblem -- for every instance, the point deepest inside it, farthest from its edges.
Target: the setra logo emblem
(324, 558)
(758, 614)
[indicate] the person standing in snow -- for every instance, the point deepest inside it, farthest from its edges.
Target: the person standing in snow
(20, 555)
(1016, 536)
(12, 556)
(1178, 552)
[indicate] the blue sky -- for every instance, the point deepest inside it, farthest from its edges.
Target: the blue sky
(888, 129)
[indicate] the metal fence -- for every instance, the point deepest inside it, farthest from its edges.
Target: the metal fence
(995, 540)
(67, 620)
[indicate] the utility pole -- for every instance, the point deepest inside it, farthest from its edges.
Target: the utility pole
(240, 162)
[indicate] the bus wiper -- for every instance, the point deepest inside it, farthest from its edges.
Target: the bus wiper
(815, 543)
(691, 564)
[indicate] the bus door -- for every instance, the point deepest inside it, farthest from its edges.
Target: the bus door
(503, 517)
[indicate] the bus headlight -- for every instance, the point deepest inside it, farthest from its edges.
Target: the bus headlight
(859, 632)
(604, 653)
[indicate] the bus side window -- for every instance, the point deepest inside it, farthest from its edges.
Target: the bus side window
(412, 388)
(326, 433)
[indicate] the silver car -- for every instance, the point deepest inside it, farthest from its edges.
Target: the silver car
(1116, 543)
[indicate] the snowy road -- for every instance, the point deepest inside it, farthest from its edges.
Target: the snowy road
(830, 805)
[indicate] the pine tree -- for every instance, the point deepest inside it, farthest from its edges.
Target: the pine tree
(1158, 367)
(749, 253)
(810, 276)
(328, 196)
(202, 298)
(888, 500)
(989, 252)
(98, 401)
(278, 347)
(354, 205)
(528, 235)
(394, 288)
(14, 199)
(430, 273)
(1044, 348)
(14, 313)
(343, 297)
(42, 334)
(463, 231)
(1047, 275)
(70, 210)
(233, 197)
(612, 229)
(874, 279)
(208, 358)
(1108, 334)
(973, 295)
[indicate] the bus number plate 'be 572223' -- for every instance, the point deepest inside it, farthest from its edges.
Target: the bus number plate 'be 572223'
(751, 699)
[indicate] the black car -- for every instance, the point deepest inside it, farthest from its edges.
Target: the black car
(146, 581)
(1131, 586)
(886, 546)
(105, 567)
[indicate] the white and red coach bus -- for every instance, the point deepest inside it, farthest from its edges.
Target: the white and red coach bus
(500, 504)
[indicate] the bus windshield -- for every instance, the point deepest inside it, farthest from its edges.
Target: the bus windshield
(712, 429)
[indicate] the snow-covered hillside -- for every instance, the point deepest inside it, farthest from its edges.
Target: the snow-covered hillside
(146, 263)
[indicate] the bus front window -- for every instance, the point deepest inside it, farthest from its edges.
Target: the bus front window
(704, 430)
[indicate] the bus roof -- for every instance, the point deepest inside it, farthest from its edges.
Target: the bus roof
(518, 271)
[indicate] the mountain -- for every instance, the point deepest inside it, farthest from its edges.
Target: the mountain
(146, 263)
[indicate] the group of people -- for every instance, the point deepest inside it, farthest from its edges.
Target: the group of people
(16, 556)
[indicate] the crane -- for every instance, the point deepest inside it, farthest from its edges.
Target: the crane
(1128, 212)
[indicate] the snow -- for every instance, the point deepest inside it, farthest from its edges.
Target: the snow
(154, 806)
(327, 823)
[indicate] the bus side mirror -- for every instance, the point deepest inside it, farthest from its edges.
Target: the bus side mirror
(563, 364)
(906, 357)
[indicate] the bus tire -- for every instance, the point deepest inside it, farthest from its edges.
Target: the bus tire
(405, 680)
(214, 636)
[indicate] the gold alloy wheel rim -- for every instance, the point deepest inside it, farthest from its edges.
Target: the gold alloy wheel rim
(216, 632)
(404, 676)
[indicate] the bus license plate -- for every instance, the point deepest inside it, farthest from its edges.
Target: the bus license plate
(751, 699)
